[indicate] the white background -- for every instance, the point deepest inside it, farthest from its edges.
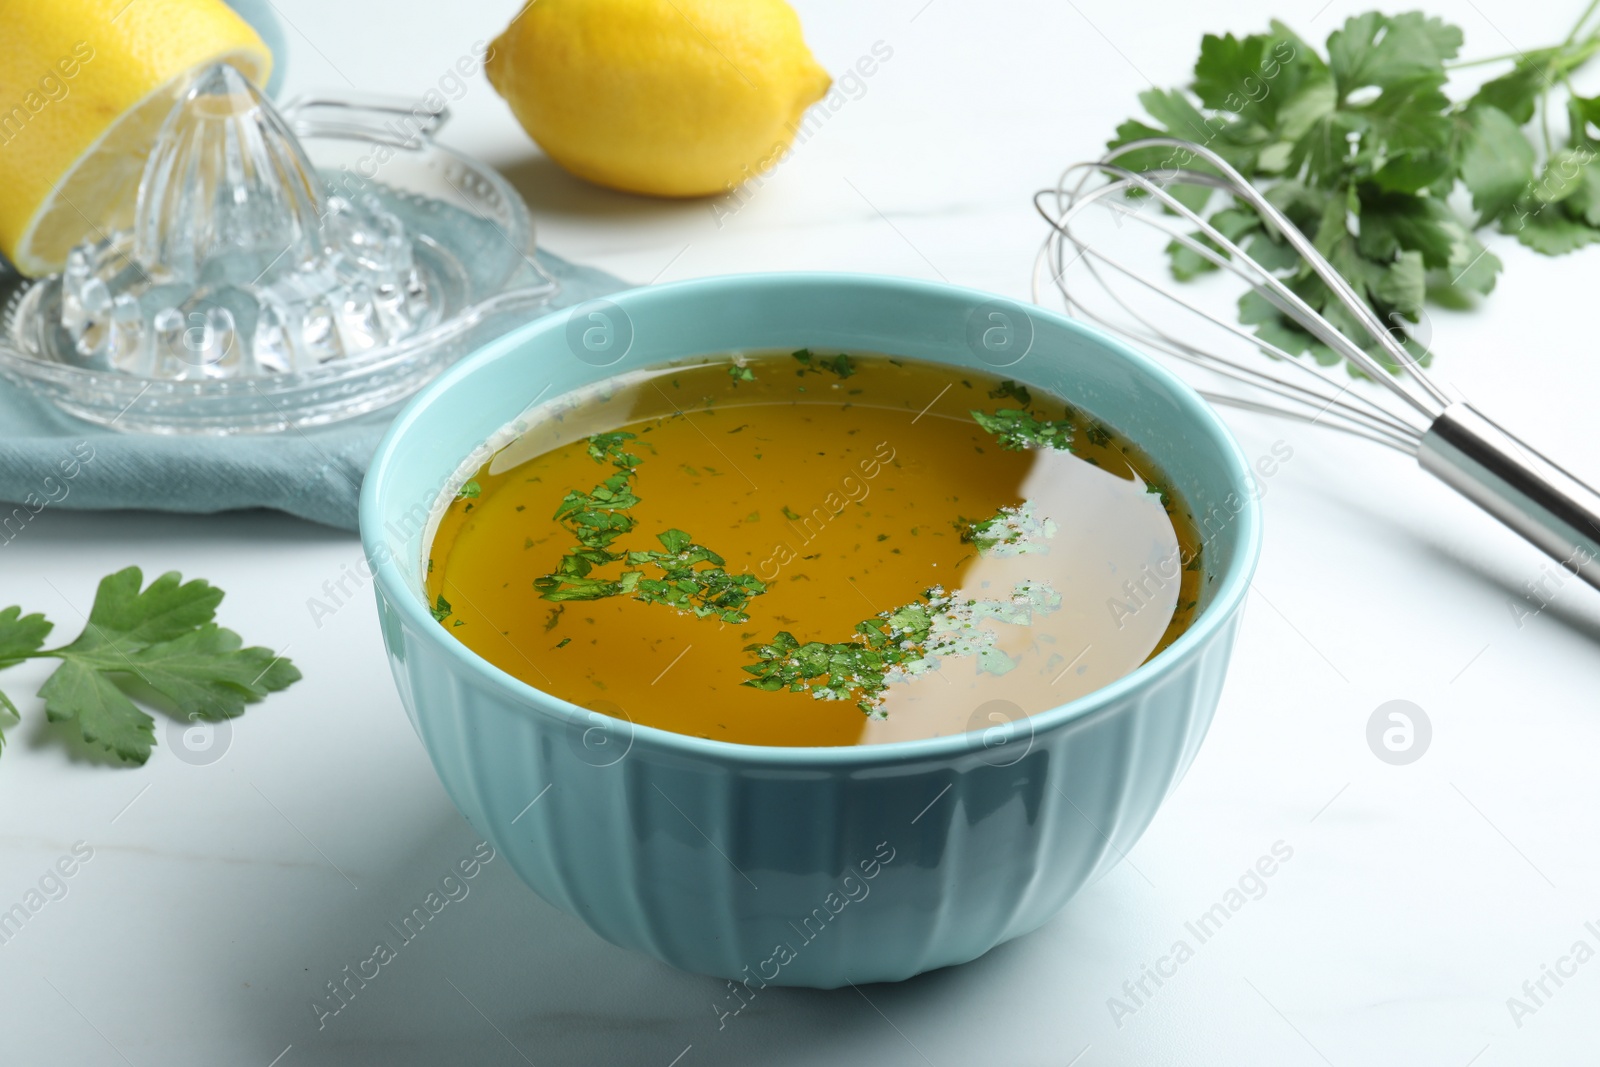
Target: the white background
(1419, 898)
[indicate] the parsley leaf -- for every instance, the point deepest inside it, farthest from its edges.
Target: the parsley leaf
(1496, 160)
(123, 619)
(1375, 49)
(1554, 233)
(104, 713)
(21, 635)
(161, 636)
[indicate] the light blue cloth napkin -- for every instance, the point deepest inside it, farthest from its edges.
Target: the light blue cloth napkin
(315, 474)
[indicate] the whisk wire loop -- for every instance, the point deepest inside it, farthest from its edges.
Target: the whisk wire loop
(1495, 469)
(1073, 200)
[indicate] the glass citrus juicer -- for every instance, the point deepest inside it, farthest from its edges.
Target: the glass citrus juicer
(281, 270)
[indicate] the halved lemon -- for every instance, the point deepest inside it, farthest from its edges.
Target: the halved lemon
(84, 87)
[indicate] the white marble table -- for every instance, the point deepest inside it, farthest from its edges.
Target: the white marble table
(219, 899)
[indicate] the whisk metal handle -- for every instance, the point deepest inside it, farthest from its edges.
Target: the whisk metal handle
(1512, 481)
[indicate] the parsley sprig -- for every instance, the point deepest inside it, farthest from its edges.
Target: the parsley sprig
(163, 638)
(897, 645)
(692, 577)
(595, 519)
(1362, 148)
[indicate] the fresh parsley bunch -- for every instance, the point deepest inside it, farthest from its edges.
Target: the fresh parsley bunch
(1362, 149)
(160, 642)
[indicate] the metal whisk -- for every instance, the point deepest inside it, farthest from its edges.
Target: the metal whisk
(1494, 469)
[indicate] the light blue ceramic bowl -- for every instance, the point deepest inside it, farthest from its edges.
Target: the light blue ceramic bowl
(805, 866)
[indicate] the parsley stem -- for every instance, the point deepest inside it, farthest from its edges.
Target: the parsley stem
(1544, 122)
(1463, 64)
(1563, 55)
(1573, 35)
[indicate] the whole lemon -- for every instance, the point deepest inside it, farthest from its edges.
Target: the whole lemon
(666, 97)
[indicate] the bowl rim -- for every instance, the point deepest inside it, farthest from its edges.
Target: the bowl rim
(1232, 586)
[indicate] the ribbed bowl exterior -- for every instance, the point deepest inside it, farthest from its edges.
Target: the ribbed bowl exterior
(711, 864)
(810, 867)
